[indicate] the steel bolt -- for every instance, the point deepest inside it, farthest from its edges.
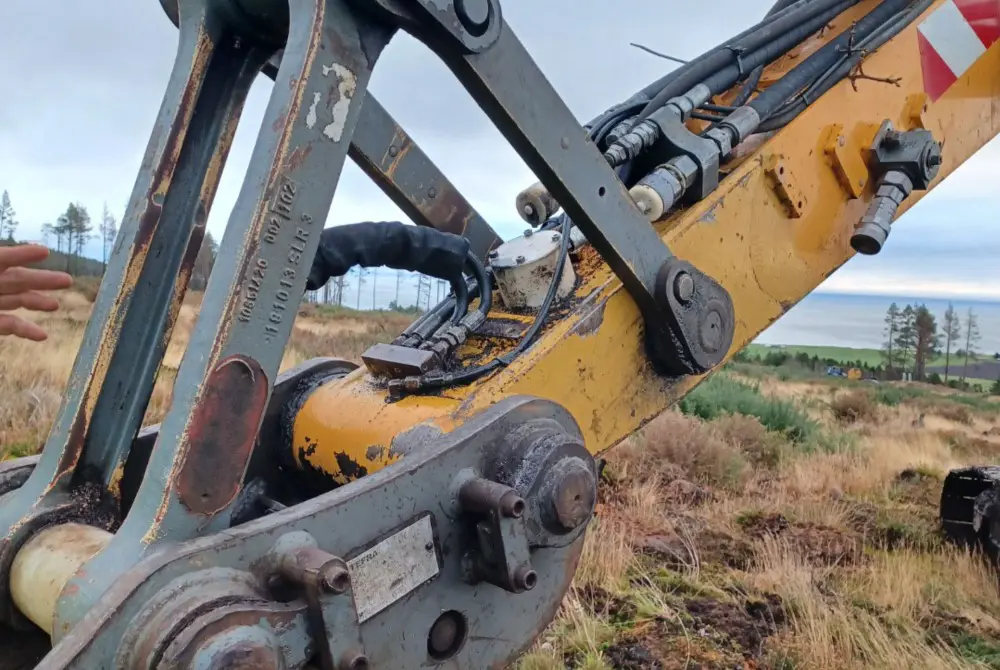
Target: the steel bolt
(474, 14)
(529, 211)
(393, 151)
(519, 259)
(684, 287)
(573, 494)
(494, 254)
(934, 160)
(529, 232)
(556, 237)
(432, 192)
(525, 578)
(334, 579)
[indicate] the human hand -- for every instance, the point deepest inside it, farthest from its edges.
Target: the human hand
(20, 286)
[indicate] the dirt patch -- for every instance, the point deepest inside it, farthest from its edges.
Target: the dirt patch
(603, 603)
(745, 627)
(816, 543)
(707, 546)
(631, 656)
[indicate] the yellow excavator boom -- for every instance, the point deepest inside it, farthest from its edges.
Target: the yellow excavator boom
(429, 506)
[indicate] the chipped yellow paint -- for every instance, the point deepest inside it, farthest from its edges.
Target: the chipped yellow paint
(350, 418)
(592, 360)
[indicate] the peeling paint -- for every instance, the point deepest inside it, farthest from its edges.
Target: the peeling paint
(311, 115)
(346, 85)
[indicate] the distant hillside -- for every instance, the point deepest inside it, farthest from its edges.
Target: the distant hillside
(75, 265)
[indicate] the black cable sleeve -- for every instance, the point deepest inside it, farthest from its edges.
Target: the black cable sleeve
(387, 244)
(483, 283)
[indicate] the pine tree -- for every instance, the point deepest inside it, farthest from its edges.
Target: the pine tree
(906, 335)
(892, 318)
(952, 331)
(972, 337)
(927, 341)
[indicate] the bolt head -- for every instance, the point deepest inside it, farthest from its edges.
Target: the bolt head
(556, 237)
(529, 232)
(519, 260)
(573, 494)
(494, 254)
(525, 578)
(684, 287)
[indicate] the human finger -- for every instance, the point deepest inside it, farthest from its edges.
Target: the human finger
(12, 325)
(19, 280)
(22, 254)
(36, 302)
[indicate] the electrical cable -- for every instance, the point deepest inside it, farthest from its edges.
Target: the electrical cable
(468, 376)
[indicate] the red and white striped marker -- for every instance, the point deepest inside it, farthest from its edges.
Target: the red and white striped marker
(952, 38)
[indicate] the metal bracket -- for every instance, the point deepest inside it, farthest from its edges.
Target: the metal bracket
(227, 579)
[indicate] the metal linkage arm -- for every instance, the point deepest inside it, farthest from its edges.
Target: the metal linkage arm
(688, 316)
(390, 157)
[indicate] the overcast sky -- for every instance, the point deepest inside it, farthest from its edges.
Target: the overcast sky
(82, 84)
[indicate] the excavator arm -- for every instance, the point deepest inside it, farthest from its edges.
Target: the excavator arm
(429, 506)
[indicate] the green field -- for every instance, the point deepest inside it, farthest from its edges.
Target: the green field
(872, 357)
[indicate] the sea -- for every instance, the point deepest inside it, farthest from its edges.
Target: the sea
(857, 321)
(821, 318)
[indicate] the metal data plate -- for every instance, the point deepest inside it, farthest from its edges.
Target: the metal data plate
(393, 568)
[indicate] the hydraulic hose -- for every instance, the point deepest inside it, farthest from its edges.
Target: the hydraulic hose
(784, 29)
(804, 74)
(483, 283)
(748, 87)
(792, 108)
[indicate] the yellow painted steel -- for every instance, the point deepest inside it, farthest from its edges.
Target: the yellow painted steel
(777, 226)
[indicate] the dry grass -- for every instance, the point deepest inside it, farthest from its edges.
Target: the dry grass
(803, 538)
(794, 557)
(33, 375)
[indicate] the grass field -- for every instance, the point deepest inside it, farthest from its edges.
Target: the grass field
(873, 358)
(761, 524)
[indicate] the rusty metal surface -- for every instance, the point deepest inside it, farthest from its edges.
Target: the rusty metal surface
(390, 157)
(255, 287)
(221, 436)
(345, 523)
(144, 284)
(396, 163)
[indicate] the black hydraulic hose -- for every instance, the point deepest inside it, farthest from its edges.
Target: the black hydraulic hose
(750, 85)
(791, 109)
(785, 29)
(655, 87)
(767, 102)
(483, 283)
(725, 77)
(461, 290)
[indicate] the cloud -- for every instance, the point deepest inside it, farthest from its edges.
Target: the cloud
(82, 88)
